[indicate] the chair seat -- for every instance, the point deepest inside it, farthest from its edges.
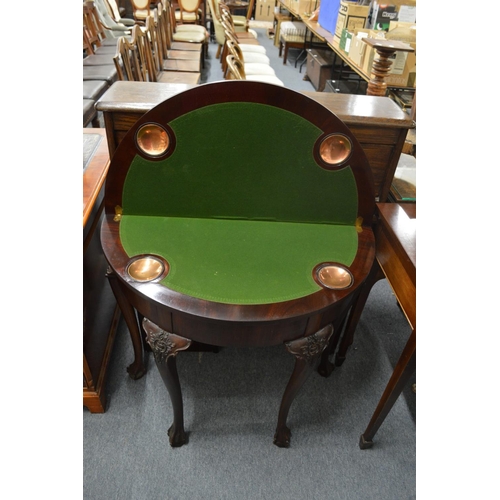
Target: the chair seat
(98, 60)
(265, 79)
(180, 77)
(196, 28)
(89, 111)
(107, 73)
(106, 49)
(188, 55)
(258, 69)
(184, 65)
(256, 57)
(246, 47)
(192, 46)
(109, 42)
(94, 89)
(189, 36)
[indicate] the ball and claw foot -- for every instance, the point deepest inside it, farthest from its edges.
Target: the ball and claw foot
(364, 445)
(282, 437)
(326, 368)
(135, 373)
(177, 438)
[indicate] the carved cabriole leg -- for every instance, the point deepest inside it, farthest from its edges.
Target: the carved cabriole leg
(165, 346)
(137, 369)
(307, 352)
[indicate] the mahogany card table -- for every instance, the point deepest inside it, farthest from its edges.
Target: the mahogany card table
(237, 214)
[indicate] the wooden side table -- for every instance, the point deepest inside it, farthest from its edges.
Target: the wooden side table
(396, 261)
(100, 313)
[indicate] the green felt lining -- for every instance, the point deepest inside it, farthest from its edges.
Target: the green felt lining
(239, 262)
(241, 160)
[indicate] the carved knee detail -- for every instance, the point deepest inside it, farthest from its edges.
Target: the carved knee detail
(163, 344)
(309, 348)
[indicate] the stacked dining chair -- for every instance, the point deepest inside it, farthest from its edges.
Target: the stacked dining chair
(241, 33)
(190, 37)
(248, 58)
(143, 56)
(251, 66)
(170, 59)
(99, 70)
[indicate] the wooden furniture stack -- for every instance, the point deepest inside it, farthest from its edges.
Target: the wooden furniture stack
(99, 70)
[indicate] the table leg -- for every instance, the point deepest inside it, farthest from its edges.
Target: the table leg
(325, 367)
(307, 352)
(165, 346)
(404, 369)
(137, 369)
(354, 315)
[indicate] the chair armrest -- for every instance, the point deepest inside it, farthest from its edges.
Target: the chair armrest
(126, 21)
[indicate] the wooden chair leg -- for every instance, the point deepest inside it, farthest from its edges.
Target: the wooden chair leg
(96, 123)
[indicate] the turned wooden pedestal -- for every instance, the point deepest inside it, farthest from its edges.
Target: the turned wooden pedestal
(382, 66)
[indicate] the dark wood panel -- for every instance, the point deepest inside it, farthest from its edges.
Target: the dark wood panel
(367, 134)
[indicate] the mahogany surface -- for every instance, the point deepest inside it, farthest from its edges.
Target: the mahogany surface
(94, 174)
(177, 319)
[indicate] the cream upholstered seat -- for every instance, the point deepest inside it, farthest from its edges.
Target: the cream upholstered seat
(254, 64)
(193, 34)
(237, 71)
(245, 47)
